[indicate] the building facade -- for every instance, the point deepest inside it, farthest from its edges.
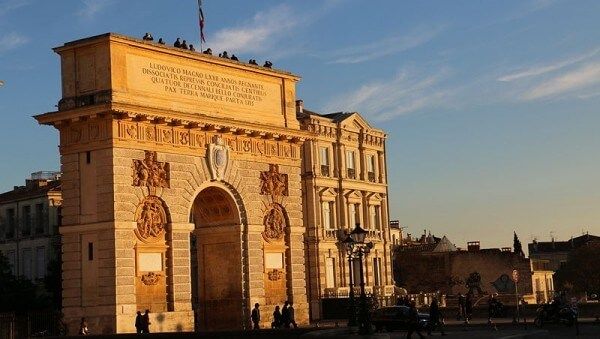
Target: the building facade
(29, 221)
(182, 177)
(345, 183)
(553, 254)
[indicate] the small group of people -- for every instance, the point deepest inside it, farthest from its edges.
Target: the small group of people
(142, 322)
(184, 45)
(283, 317)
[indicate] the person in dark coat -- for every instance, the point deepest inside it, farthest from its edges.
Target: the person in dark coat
(461, 306)
(291, 315)
(413, 321)
(255, 316)
(468, 307)
(146, 322)
(285, 315)
(436, 320)
(138, 322)
(276, 318)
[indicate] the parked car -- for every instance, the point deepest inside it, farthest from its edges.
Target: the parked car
(393, 318)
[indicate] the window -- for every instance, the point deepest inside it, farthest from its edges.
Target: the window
(377, 217)
(11, 222)
(26, 263)
(40, 263)
(371, 168)
(327, 220)
(324, 159)
(12, 261)
(350, 164)
(26, 218)
(377, 271)
(39, 219)
(352, 215)
(330, 272)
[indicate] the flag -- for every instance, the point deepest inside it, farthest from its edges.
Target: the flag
(201, 21)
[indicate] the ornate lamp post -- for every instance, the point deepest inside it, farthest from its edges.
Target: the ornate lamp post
(361, 249)
(349, 246)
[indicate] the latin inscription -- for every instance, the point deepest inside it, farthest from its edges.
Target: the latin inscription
(209, 86)
(212, 89)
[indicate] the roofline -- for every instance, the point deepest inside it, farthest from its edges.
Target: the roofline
(116, 37)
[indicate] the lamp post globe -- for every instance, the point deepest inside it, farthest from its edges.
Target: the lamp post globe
(358, 234)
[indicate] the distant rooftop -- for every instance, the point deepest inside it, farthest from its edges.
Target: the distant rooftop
(561, 246)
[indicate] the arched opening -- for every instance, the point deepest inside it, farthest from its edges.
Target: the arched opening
(216, 260)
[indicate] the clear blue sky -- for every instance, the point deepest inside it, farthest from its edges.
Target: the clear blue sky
(492, 107)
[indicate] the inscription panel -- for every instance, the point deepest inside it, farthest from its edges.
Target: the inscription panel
(210, 88)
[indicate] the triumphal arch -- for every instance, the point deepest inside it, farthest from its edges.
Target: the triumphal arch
(181, 180)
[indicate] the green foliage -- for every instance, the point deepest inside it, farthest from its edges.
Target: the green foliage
(18, 294)
(581, 273)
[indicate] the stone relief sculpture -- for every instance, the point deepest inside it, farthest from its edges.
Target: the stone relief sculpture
(274, 222)
(473, 283)
(151, 219)
(150, 172)
(504, 284)
(275, 275)
(274, 183)
(150, 278)
(218, 158)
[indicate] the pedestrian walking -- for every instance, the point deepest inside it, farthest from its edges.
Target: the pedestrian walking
(285, 315)
(468, 307)
(436, 319)
(291, 315)
(276, 318)
(139, 320)
(461, 307)
(255, 316)
(413, 321)
(83, 327)
(146, 322)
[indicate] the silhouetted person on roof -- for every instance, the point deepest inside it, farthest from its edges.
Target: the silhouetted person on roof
(177, 43)
(160, 41)
(268, 64)
(233, 57)
(192, 47)
(184, 45)
(224, 55)
(207, 51)
(148, 37)
(252, 62)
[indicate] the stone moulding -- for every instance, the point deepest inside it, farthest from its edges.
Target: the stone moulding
(151, 219)
(150, 278)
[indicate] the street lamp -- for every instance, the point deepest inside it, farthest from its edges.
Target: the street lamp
(349, 246)
(359, 248)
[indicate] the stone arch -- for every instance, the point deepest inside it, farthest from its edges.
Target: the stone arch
(219, 239)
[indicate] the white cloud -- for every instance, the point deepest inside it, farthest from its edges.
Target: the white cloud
(547, 68)
(10, 5)
(405, 93)
(383, 47)
(11, 41)
(581, 77)
(259, 34)
(91, 7)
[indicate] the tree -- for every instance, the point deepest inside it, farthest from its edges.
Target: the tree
(18, 294)
(518, 249)
(581, 273)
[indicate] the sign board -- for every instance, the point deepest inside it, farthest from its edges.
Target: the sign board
(515, 276)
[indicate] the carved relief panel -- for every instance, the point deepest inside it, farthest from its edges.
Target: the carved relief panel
(151, 220)
(150, 172)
